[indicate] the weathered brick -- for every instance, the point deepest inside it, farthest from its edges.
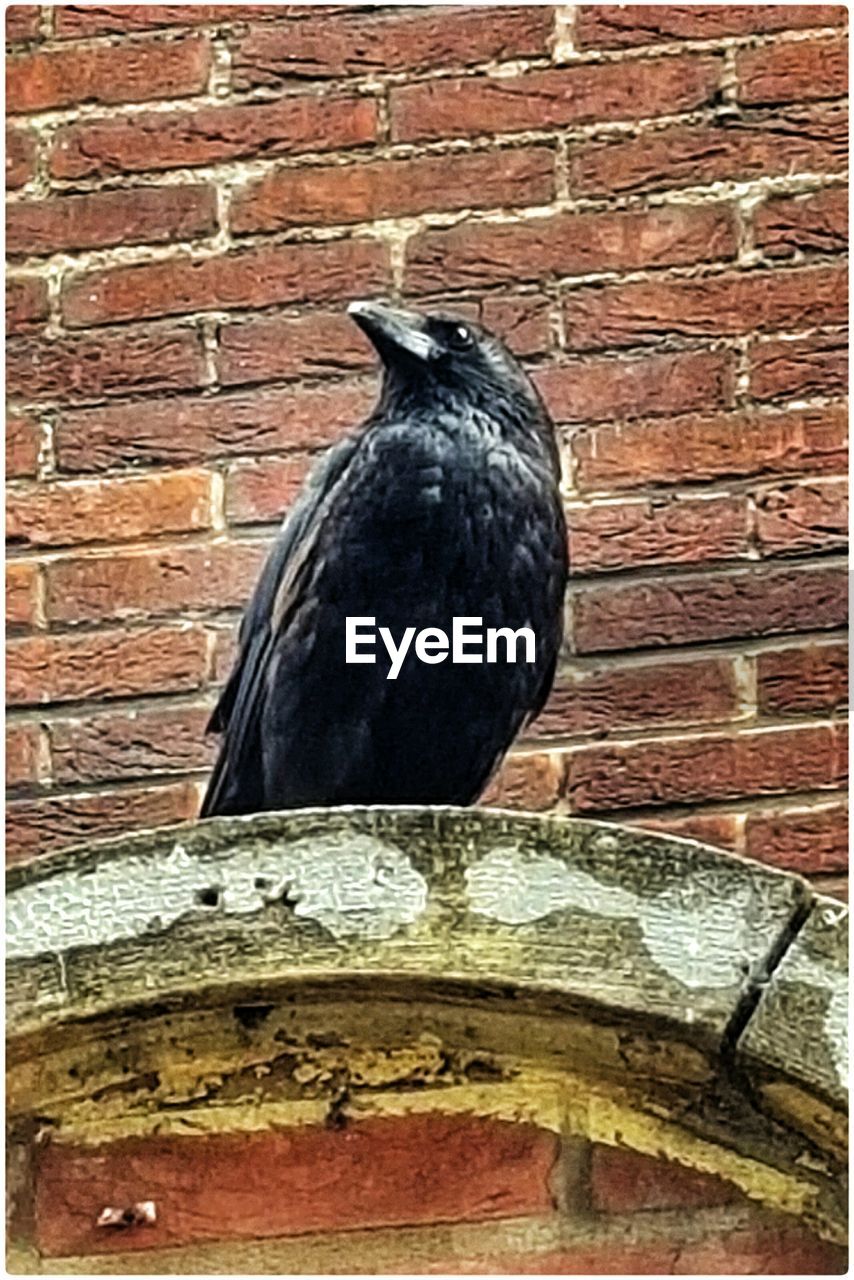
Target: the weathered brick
(702, 767)
(23, 439)
(710, 827)
(268, 347)
(157, 140)
(660, 384)
(102, 219)
(379, 1171)
(793, 71)
(631, 455)
(795, 368)
(391, 188)
(119, 509)
(74, 21)
(623, 1181)
(132, 72)
(523, 321)
(176, 432)
(529, 782)
(802, 515)
(567, 244)
(809, 840)
(104, 664)
(23, 745)
(713, 606)
(802, 679)
(708, 306)
(119, 745)
(152, 582)
(26, 303)
(22, 22)
(619, 697)
(322, 46)
(546, 99)
(635, 532)
(20, 157)
(86, 367)
(21, 593)
(812, 223)
(285, 273)
(34, 827)
(613, 26)
(796, 138)
(264, 490)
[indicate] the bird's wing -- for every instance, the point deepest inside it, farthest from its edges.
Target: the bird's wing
(237, 713)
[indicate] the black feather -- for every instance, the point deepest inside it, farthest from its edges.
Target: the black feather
(444, 504)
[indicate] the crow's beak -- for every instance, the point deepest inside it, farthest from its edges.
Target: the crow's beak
(394, 331)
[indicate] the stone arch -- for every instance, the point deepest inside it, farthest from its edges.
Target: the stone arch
(324, 968)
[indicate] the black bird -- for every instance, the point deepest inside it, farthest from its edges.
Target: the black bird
(443, 504)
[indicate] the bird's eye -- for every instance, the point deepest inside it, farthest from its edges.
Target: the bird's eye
(460, 337)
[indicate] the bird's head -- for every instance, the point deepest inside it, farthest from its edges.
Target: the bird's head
(445, 358)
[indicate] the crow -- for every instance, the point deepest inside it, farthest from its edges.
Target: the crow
(444, 504)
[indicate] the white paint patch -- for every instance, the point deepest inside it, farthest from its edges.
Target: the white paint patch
(699, 940)
(351, 885)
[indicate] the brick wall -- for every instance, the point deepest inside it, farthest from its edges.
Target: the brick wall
(647, 201)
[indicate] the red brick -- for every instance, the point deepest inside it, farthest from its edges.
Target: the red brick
(794, 368)
(809, 841)
(286, 273)
(274, 346)
(780, 1251)
(708, 767)
(813, 223)
(322, 194)
(26, 303)
(635, 532)
(104, 664)
(613, 26)
(376, 1172)
(524, 322)
(834, 886)
(152, 582)
(21, 593)
(85, 368)
(74, 21)
(117, 745)
(122, 509)
(802, 515)
(793, 71)
(694, 692)
(549, 99)
(264, 490)
(167, 140)
(102, 219)
(667, 383)
(708, 306)
(795, 139)
(624, 1181)
(320, 46)
(719, 829)
(713, 606)
(798, 680)
(566, 245)
(176, 432)
(34, 827)
(131, 72)
(530, 782)
(22, 753)
(22, 22)
(630, 455)
(20, 157)
(23, 439)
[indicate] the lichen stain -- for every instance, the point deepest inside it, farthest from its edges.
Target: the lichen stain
(700, 940)
(351, 885)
